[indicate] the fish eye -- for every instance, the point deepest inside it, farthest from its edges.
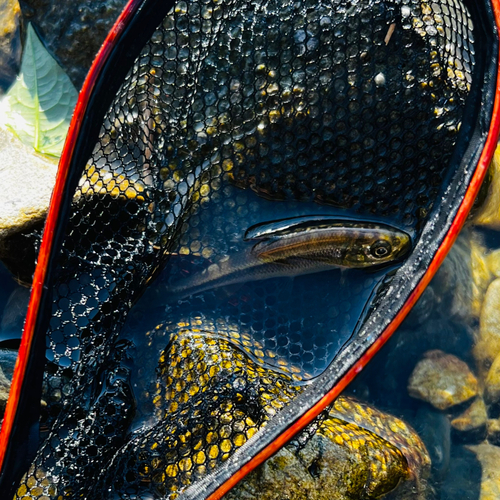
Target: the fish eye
(380, 249)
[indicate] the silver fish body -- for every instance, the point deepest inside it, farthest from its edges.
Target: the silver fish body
(339, 243)
(298, 246)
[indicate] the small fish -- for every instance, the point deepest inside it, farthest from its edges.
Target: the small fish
(338, 243)
(298, 246)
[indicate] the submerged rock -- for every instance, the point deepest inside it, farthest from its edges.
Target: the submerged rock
(10, 42)
(488, 342)
(11, 325)
(463, 481)
(442, 380)
(489, 457)
(481, 276)
(492, 383)
(435, 431)
(494, 431)
(471, 425)
(488, 215)
(335, 465)
(493, 262)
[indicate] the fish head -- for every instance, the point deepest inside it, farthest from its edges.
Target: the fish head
(377, 246)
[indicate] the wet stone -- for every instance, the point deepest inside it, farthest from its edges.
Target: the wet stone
(481, 276)
(27, 180)
(493, 429)
(493, 262)
(489, 457)
(489, 213)
(14, 313)
(10, 42)
(488, 343)
(471, 425)
(442, 380)
(323, 470)
(492, 383)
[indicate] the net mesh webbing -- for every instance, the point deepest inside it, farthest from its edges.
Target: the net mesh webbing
(237, 113)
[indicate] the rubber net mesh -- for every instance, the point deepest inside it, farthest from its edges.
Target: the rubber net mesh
(238, 113)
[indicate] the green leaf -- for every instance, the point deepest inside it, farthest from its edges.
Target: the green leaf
(38, 107)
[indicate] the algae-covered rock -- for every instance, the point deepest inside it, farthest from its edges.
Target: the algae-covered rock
(442, 380)
(493, 429)
(327, 469)
(489, 456)
(493, 263)
(481, 276)
(471, 425)
(492, 383)
(488, 215)
(488, 342)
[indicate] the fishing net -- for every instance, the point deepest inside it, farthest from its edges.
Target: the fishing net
(236, 113)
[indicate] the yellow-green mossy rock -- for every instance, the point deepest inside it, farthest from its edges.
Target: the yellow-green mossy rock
(493, 263)
(442, 380)
(488, 341)
(489, 213)
(481, 276)
(471, 425)
(492, 383)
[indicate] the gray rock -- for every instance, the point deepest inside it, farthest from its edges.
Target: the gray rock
(8, 359)
(27, 180)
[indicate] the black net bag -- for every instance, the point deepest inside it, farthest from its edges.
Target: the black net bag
(251, 198)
